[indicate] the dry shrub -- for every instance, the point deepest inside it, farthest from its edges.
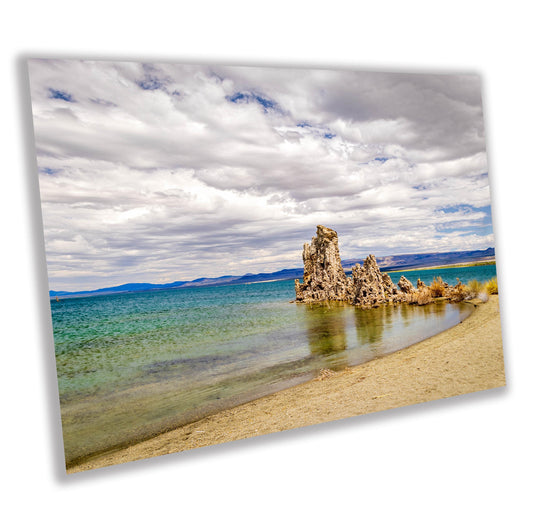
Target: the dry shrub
(491, 286)
(474, 287)
(437, 287)
(459, 292)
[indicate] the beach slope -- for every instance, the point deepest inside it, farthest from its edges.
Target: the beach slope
(463, 359)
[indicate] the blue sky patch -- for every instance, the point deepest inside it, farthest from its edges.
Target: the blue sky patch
(60, 95)
(481, 227)
(381, 159)
(149, 82)
(245, 98)
(48, 171)
(486, 210)
(324, 132)
(462, 207)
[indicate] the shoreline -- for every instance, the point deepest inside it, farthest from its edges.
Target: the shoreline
(478, 263)
(465, 358)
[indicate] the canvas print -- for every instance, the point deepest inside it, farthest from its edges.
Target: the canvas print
(239, 250)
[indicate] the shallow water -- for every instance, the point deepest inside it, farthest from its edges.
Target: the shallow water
(133, 365)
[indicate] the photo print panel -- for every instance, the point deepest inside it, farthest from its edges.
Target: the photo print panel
(238, 250)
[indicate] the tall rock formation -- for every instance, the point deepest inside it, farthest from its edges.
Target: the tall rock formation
(324, 278)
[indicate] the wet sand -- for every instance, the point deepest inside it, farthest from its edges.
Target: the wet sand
(463, 359)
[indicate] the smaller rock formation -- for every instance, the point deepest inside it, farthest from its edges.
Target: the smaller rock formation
(388, 286)
(324, 278)
(371, 286)
(406, 286)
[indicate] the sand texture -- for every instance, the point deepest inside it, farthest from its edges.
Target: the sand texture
(463, 359)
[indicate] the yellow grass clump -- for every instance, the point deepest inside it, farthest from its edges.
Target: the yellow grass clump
(491, 286)
(437, 287)
(475, 288)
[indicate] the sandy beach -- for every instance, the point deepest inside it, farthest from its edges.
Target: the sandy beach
(463, 359)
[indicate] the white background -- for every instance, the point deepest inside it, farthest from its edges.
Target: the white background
(467, 455)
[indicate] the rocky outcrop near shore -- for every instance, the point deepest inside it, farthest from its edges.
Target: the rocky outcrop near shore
(324, 278)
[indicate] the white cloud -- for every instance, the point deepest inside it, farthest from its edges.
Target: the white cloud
(151, 172)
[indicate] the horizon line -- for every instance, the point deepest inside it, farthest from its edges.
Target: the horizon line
(178, 283)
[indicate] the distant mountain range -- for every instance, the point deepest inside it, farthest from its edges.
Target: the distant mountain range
(386, 263)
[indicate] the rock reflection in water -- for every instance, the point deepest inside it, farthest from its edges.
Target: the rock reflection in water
(326, 331)
(370, 324)
(341, 335)
(407, 314)
(432, 309)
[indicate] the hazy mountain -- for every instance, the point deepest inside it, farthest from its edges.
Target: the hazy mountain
(386, 263)
(127, 287)
(413, 261)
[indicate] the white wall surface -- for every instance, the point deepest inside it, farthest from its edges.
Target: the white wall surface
(467, 455)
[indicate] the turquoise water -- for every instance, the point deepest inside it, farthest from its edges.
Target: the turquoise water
(133, 365)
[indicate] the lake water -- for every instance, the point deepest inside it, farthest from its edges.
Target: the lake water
(133, 365)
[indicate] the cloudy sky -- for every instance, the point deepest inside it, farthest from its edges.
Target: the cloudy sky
(165, 172)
